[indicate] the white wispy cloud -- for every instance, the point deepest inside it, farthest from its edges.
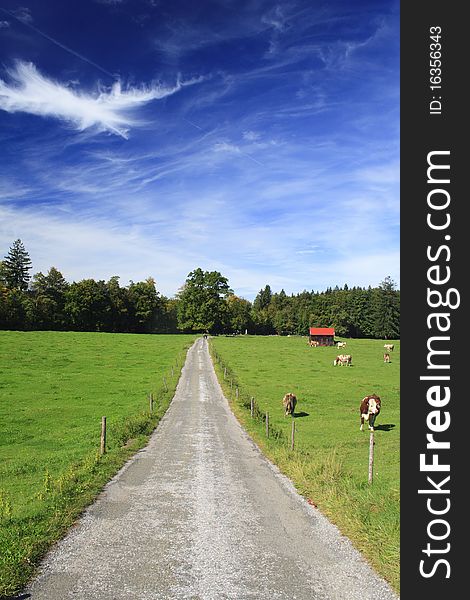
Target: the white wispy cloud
(103, 234)
(107, 110)
(263, 173)
(23, 14)
(92, 240)
(251, 136)
(10, 189)
(233, 149)
(275, 18)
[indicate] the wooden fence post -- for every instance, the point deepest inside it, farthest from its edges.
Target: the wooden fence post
(236, 392)
(267, 424)
(371, 456)
(292, 435)
(151, 402)
(252, 406)
(103, 436)
(225, 372)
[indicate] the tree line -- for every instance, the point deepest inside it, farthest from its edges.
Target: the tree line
(204, 303)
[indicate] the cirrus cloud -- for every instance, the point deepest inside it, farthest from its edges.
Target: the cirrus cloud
(107, 110)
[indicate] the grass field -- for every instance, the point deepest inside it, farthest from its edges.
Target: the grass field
(330, 462)
(54, 389)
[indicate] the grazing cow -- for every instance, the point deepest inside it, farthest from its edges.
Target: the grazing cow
(313, 343)
(386, 357)
(289, 401)
(343, 359)
(389, 347)
(370, 408)
(341, 344)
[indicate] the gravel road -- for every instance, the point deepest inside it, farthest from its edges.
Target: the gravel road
(200, 514)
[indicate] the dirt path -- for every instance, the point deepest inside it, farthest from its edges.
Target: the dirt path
(200, 514)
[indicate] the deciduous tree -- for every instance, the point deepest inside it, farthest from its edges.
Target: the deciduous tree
(239, 311)
(202, 302)
(146, 305)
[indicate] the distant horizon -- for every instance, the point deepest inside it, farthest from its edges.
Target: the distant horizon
(260, 141)
(173, 295)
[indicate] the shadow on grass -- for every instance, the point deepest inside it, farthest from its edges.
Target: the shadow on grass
(300, 414)
(385, 427)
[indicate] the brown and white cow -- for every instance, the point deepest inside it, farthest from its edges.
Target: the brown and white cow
(343, 359)
(341, 344)
(289, 401)
(313, 343)
(386, 357)
(370, 408)
(389, 347)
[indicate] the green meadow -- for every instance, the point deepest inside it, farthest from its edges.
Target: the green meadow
(54, 389)
(56, 386)
(330, 461)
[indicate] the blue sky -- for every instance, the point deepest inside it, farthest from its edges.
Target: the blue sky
(147, 138)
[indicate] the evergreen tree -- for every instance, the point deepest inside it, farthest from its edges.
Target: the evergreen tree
(16, 267)
(263, 299)
(2, 274)
(262, 312)
(387, 310)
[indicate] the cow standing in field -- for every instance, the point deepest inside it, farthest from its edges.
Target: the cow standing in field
(343, 359)
(370, 408)
(386, 357)
(289, 401)
(389, 347)
(313, 343)
(341, 344)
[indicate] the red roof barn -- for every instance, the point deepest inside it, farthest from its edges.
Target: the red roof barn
(325, 336)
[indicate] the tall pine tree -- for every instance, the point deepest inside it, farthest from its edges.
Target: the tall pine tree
(16, 267)
(387, 310)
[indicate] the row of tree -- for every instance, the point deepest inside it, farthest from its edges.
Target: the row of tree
(204, 303)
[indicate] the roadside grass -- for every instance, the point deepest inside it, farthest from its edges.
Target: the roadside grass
(329, 464)
(54, 389)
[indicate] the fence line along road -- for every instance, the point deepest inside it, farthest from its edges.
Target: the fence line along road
(200, 513)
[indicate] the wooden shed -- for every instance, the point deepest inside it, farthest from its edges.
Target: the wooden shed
(325, 336)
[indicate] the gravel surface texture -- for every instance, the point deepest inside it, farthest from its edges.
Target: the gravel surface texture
(200, 514)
